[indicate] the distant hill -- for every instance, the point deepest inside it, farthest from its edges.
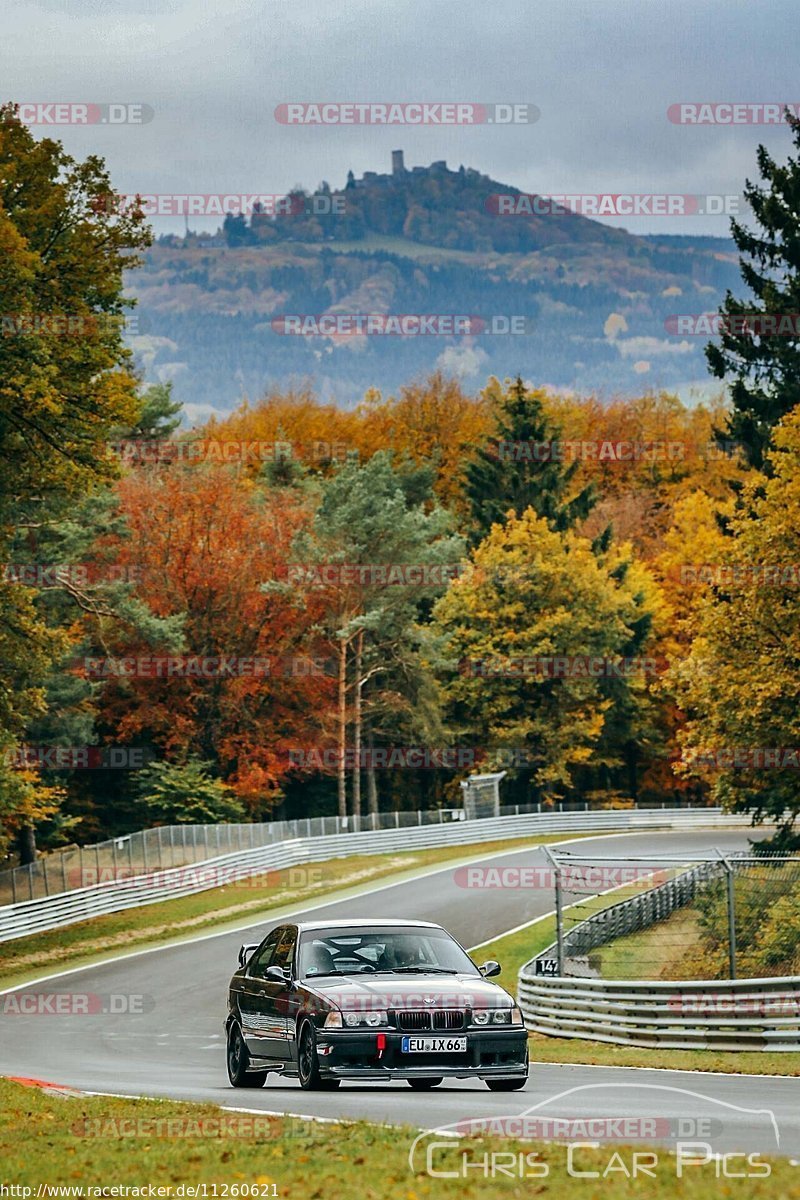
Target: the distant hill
(426, 241)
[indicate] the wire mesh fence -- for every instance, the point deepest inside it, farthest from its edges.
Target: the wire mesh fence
(182, 845)
(734, 916)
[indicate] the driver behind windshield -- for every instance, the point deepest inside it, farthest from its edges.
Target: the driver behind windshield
(401, 951)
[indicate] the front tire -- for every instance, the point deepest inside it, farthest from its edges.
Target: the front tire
(308, 1062)
(238, 1060)
(424, 1085)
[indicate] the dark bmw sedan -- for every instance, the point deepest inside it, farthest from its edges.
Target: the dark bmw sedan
(370, 1000)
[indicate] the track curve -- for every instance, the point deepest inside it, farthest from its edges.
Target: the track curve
(175, 1048)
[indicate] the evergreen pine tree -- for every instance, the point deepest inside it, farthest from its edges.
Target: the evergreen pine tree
(764, 370)
(521, 468)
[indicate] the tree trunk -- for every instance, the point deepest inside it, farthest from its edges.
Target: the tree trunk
(26, 845)
(341, 765)
(357, 727)
(372, 785)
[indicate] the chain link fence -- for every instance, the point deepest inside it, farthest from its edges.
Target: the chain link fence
(734, 916)
(182, 845)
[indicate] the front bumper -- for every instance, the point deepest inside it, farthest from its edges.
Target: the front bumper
(354, 1054)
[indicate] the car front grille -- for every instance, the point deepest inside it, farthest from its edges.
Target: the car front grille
(438, 1018)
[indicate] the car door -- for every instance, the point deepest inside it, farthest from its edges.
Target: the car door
(252, 997)
(280, 999)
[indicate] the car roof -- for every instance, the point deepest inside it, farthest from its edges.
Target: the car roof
(363, 922)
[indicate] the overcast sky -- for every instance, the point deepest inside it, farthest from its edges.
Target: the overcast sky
(602, 72)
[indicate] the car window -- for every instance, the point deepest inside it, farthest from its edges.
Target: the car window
(284, 954)
(263, 956)
(356, 951)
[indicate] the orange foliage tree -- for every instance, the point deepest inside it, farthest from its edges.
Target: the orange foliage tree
(207, 546)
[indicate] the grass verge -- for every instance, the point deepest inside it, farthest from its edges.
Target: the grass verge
(605, 1054)
(50, 1141)
(655, 953)
(262, 894)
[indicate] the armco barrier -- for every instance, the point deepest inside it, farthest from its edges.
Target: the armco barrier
(743, 1014)
(51, 912)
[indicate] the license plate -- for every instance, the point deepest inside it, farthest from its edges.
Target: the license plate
(434, 1045)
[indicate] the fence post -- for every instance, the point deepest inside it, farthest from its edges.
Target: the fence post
(13, 885)
(731, 920)
(559, 913)
(63, 872)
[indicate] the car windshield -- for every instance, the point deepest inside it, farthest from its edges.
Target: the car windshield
(381, 951)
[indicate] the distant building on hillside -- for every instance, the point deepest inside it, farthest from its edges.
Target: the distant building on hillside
(399, 173)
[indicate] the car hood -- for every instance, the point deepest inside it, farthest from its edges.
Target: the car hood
(409, 991)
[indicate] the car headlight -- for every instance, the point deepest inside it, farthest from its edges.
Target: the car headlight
(516, 1016)
(501, 1016)
(480, 1016)
(333, 1020)
(378, 1017)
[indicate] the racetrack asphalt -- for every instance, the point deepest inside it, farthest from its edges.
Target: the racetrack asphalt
(176, 1047)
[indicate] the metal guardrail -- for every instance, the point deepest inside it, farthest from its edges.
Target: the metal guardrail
(743, 1014)
(177, 845)
(117, 894)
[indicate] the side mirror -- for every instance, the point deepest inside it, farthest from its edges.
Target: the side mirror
(247, 951)
(277, 975)
(490, 968)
